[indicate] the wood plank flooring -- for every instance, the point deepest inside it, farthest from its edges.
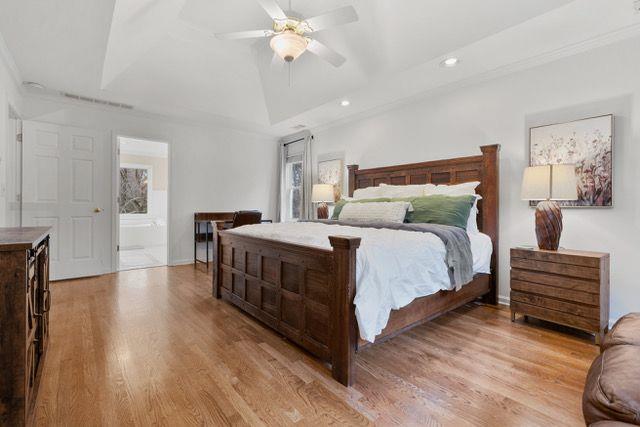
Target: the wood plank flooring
(152, 347)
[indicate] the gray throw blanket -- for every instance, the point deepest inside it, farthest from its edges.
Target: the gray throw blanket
(456, 241)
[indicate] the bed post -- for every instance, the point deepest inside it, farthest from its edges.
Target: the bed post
(344, 328)
(490, 211)
(215, 290)
(352, 178)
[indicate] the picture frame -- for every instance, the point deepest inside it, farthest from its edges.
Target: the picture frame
(331, 171)
(588, 143)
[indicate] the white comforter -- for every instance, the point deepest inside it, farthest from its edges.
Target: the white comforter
(393, 267)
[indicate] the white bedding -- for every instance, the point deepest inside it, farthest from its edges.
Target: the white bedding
(393, 267)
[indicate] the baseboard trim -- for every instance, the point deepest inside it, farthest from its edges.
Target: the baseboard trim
(503, 300)
(176, 262)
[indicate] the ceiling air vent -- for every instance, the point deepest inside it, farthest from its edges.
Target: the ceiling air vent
(96, 101)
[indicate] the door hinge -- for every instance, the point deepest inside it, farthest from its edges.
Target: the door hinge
(19, 137)
(117, 248)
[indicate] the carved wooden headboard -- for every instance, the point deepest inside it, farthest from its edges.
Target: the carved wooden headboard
(483, 168)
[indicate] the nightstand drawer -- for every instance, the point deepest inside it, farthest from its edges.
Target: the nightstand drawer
(555, 280)
(554, 292)
(556, 268)
(556, 316)
(577, 309)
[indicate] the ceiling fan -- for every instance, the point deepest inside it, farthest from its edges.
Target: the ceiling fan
(289, 37)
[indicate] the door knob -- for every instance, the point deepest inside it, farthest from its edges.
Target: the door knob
(97, 210)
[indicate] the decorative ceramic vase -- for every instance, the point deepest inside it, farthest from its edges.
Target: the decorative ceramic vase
(548, 225)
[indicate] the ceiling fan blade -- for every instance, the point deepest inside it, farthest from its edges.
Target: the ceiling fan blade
(276, 62)
(273, 9)
(326, 53)
(253, 34)
(341, 16)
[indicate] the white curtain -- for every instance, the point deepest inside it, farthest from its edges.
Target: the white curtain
(307, 169)
(295, 149)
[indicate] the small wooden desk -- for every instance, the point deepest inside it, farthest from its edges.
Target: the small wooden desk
(200, 218)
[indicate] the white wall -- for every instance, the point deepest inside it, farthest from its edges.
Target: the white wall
(9, 95)
(210, 169)
(499, 111)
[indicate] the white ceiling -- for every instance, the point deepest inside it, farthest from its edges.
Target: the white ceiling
(160, 55)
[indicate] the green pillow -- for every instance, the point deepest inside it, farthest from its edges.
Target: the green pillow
(440, 209)
(340, 204)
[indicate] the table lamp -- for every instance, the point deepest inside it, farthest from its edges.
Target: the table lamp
(322, 194)
(548, 184)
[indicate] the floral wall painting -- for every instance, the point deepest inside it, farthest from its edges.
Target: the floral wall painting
(330, 172)
(587, 143)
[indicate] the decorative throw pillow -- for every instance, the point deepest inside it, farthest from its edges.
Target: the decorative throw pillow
(340, 204)
(375, 211)
(440, 209)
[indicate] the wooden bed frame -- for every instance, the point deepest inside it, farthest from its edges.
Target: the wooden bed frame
(306, 293)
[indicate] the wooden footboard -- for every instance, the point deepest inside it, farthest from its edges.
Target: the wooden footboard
(303, 292)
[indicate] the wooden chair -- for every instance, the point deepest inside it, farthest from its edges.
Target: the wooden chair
(240, 218)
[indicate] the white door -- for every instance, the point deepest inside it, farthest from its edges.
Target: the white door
(67, 186)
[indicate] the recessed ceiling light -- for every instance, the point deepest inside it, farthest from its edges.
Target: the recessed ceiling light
(345, 103)
(450, 62)
(34, 85)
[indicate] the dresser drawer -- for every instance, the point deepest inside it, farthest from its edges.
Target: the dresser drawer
(557, 268)
(555, 280)
(554, 292)
(550, 303)
(566, 319)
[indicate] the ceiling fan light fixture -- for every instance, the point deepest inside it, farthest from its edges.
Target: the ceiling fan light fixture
(288, 45)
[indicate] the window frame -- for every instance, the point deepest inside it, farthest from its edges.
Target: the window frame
(149, 169)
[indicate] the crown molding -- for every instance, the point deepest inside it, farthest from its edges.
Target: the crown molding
(522, 65)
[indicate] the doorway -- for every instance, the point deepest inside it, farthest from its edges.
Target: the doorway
(143, 179)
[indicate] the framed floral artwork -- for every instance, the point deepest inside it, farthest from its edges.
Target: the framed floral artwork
(587, 143)
(330, 172)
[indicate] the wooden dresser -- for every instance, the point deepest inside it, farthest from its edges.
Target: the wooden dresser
(24, 319)
(565, 286)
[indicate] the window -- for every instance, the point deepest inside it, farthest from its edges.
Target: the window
(134, 190)
(293, 188)
(295, 179)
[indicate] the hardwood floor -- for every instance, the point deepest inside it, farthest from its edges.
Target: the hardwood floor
(153, 347)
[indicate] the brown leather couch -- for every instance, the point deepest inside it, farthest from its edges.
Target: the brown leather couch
(612, 392)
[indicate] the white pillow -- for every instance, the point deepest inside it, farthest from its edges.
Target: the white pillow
(472, 222)
(374, 211)
(367, 193)
(453, 190)
(393, 191)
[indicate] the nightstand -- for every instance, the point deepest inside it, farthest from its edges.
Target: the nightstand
(565, 286)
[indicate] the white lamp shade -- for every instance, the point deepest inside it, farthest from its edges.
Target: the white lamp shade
(322, 193)
(564, 183)
(549, 182)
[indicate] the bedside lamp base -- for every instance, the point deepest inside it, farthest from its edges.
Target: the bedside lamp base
(548, 225)
(323, 211)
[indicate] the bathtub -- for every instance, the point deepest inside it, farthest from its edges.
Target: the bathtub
(142, 232)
